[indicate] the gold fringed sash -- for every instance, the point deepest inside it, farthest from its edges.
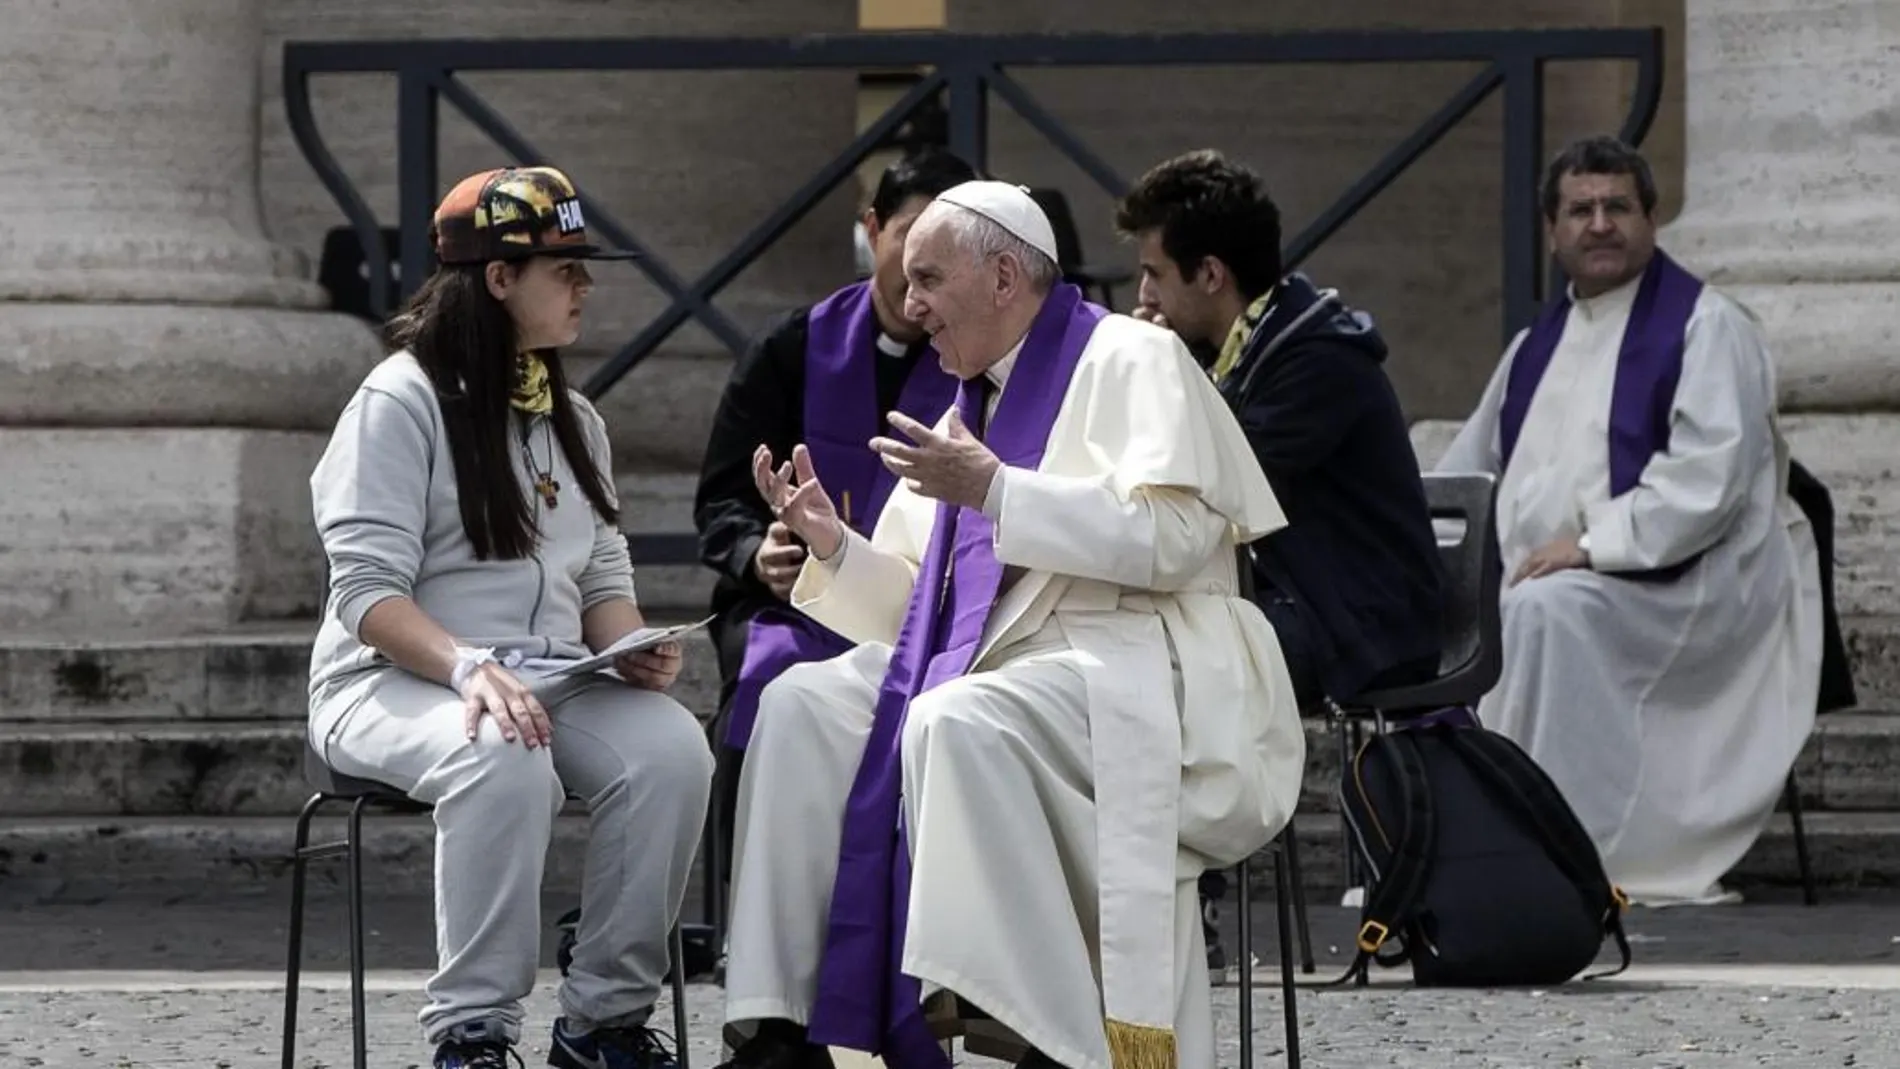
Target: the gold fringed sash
(1136, 1046)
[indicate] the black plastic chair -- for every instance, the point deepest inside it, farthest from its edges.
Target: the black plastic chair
(362, 794)
(1055, 205)
(1471, 655)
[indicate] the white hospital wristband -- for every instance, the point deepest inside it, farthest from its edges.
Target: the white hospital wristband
(467, 660)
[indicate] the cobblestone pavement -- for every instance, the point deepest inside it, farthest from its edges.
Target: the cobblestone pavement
(199, 984)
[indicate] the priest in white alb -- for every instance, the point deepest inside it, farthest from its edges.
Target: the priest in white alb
(1058, 713)
(1662, 608)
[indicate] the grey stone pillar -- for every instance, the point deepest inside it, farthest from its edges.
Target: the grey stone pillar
(1794, 208)
(165, 369)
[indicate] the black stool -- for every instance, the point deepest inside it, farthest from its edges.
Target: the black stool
(361, 794)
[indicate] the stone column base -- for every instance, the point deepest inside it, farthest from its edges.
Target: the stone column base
(112, 533)
(1834, 342)
(179, 365)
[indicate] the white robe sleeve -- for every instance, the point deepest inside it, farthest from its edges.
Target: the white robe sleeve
(1692, 494)
(1477, 447)
(862, 591)
(1156, 538)
(1153, 474)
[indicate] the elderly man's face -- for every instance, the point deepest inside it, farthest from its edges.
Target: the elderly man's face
(954, 295)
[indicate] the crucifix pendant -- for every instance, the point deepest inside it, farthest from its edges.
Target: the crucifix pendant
(548, 488)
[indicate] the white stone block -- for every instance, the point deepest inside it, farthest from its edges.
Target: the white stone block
(162, 531)
(128, 365)
(130, 168)
(1792, 183)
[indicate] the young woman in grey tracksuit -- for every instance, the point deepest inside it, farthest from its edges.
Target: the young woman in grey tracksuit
(467, 508)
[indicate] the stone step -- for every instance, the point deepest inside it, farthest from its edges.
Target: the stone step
(251, 767)
(261, 672)
(78, 859)
(256, 674)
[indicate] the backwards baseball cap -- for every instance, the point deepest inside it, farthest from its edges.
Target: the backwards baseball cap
(511, 213)
(1010, 207)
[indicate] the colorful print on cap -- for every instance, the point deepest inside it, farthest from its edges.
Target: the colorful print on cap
(513, 212)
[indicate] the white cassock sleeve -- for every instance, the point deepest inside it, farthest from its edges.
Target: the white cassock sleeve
(862, 591)
(1154, 538)
(1161, 475)
(1477, 448)
(1691, 494)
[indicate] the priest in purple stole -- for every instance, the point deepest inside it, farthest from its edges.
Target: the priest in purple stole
(1662, 613)
(1059, 711)
(824, 376)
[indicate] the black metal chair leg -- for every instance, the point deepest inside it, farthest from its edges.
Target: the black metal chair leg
(677, 950)
(293, 968)
(1244, 960)
(1791, 795)
(1290, 849)
(1284, 881)
(1348, 745)
(359, 1024)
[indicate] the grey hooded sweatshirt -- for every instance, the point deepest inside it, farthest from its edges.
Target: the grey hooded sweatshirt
(387, 509)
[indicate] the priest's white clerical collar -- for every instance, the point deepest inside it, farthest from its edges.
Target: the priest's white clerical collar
(890, 346)
(1610, 302)
(998, 374)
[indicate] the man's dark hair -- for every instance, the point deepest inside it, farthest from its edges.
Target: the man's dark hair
(1599, 155)
(924, 173)
(1206, 206)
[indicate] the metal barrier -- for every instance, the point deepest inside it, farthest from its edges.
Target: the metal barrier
(965, 69)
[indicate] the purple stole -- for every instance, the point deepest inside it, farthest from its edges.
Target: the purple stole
(840, 417)
(1648, 364)
(865, 1001)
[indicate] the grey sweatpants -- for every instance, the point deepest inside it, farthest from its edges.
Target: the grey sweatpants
(635, 758)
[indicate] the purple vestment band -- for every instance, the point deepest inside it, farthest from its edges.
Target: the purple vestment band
(1648, 365)
(840, 418)
(864, 1000)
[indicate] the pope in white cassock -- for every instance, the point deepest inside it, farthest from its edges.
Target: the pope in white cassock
(1662, 614)
(1059, 712)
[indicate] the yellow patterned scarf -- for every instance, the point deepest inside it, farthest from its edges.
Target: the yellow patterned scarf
(1238, 334)
(532, 393)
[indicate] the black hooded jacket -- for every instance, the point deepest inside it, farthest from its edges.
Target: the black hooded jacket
(1357, 558)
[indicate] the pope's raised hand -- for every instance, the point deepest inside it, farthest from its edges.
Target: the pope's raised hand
(792, 491)
(949, 465)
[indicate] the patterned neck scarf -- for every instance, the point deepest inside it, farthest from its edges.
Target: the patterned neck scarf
(532, 393)
(1238, 334)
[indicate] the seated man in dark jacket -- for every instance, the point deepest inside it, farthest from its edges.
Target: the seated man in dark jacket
(1351, 584)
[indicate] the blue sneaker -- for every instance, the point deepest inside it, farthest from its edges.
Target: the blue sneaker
(478, 1054)
(609, 1048)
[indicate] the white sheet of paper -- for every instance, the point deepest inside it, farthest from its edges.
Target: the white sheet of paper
(644, 639)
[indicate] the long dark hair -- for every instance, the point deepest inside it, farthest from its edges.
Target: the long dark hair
(465, 341)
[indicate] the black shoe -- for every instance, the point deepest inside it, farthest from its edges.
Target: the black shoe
(481, 1054)
(774, 1050)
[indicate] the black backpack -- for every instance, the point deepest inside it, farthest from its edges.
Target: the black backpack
(1473, 861)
